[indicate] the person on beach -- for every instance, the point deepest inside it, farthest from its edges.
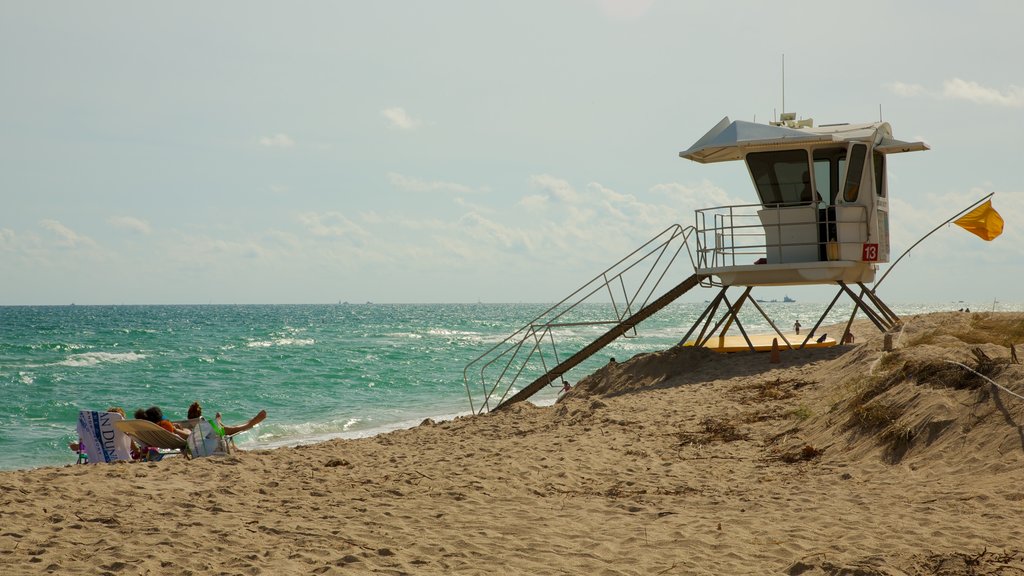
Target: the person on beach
(796, 326)
(195, 410)
(566, 387)
(155, 415)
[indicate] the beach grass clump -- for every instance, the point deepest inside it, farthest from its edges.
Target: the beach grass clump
(948, 375)
(778, 389)
(712, 430)
(983, 328)
(889, 360)
(875, 415)
(994, 328)
(984, 562)
(801, 413)
(871, 387)
(722, 430)
(803, 454)
(924, 338)
(897, 441)
(898, 432)
(869, 413)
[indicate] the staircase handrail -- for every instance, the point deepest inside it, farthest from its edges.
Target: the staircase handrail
(539, 329)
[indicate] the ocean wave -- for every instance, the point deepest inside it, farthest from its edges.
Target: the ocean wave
(409, 335)
(281, 435)
(57, 346)
(281, 342)
(94, 358)
(456, 333)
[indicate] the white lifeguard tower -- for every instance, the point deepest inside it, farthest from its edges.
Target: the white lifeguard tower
(822, 215)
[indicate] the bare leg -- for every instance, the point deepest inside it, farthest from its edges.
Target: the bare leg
(232, 430)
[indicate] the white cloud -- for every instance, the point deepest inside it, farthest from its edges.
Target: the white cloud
(488, 231)
(472, 207)
(371, 217)
(331, 225)
(400, 119)
(277, 141)
(200, 251)
(959, 89)
(906, 90)
(534, 202)
(556, 186)
(6, 239)
(131, 224)
(415, 185)
(66, 237)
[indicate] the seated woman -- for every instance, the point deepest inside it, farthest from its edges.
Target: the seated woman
(195, 410)
(155, 415)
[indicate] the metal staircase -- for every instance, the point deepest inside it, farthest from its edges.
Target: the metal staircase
(531, 354)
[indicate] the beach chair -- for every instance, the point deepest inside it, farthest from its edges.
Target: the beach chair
(153, 436)
(99, 440)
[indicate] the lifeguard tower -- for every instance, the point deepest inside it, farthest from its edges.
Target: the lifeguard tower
(821, 217)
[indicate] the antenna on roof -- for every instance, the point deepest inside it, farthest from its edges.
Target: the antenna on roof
(879, 111)
(783, 83)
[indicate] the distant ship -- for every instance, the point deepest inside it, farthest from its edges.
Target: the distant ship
(785, 299)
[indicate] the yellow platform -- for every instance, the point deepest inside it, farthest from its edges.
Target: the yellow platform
(761, 342)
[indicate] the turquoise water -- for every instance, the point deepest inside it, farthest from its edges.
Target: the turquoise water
(321, 371)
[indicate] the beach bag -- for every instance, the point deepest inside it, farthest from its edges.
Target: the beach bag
(205, 441)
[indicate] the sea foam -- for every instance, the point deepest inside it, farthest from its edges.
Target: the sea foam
(95, 358)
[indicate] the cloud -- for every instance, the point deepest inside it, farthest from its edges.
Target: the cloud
(199, 252)
(6, 239)
(277, 141)
(906, 90)
(400, 119)
(131, 224)
(331, 225)
(561, 189)
(66, 237)
(534, 202)
(959, 89)
(414, 185)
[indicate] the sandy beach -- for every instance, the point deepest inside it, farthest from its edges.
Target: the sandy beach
(845, 460)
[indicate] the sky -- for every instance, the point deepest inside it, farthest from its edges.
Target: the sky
(461, 151)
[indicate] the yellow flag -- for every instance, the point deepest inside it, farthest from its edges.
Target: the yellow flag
(983, 221)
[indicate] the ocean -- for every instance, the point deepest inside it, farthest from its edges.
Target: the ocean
(320, 371)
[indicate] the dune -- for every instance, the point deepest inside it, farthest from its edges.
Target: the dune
(848, 460)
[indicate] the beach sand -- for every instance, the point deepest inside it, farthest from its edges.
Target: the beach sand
(846, 460)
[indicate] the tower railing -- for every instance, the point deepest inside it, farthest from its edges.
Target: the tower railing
(751, 234)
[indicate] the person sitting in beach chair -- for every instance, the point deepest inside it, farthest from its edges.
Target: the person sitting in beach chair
(195, 410)
(155, 415)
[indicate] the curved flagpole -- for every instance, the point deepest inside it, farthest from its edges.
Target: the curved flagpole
(907, 251)
(856, 306)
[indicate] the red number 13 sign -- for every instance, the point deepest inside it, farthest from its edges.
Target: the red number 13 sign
(870, 253)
